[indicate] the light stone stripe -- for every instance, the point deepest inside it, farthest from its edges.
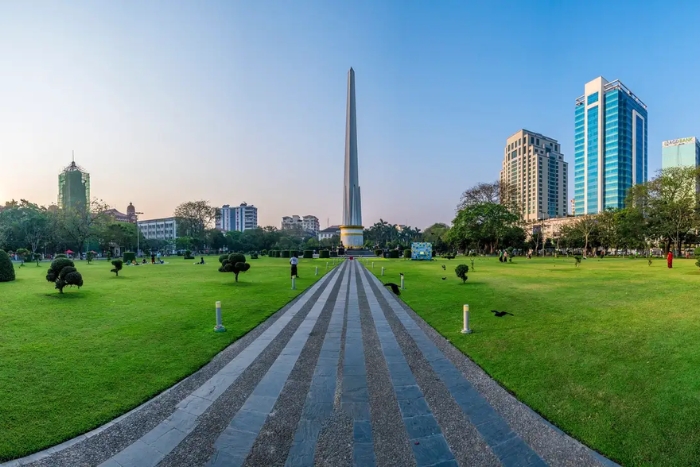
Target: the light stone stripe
(503, 441)
(151, 448)
(319, 401)
(355, 395)
(428, 443)
(234, 444)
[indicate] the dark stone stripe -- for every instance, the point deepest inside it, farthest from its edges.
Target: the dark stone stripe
(510, 449)
(354, 399)
(233, 445)
(428, 443)
(319, 400)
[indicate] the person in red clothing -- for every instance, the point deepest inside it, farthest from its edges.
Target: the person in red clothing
(669, 259)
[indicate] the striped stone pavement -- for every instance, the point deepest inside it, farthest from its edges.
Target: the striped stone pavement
(346, 375)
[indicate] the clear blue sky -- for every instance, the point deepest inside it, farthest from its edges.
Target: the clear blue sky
(232, 101)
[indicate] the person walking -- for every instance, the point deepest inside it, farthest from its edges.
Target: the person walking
(294, 261)
(153, 258)
(669, 259)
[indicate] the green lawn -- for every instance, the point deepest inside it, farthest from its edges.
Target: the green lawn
(609, 352)
(71, 363)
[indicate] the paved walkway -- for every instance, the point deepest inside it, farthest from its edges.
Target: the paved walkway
(346, 375)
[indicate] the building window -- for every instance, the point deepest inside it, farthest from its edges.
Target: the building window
(592, 98)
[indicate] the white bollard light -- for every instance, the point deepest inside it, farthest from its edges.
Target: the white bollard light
(465, 311)
(326, 265)
(219, 326)
(382, 270)
(402, 287)
(294, 282)
(316, 271)
(372, 264)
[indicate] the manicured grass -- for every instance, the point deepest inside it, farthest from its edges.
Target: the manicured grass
(73, 362)
(609, 352)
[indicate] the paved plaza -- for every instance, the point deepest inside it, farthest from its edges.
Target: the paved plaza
(344, 375)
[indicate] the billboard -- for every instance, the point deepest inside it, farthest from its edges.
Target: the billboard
(421, 250)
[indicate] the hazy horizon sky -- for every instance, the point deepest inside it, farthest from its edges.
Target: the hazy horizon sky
(232, 101)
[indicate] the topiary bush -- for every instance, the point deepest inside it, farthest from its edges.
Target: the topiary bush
(90, 256)
(223, 257)
(285, 254)
(63, 274)
(308, 254)
(407, 253)
(60, 255)
(7, 269)
(263, 252)
(118, 265)
(129, 257)
(461, 272)
(697, 257)
(378, 253)
(253, 256)
(324, 254)
(235, 263)
(333, 254)
(393, 254)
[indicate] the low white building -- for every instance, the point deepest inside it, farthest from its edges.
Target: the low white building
(329, 232)
(159, 229)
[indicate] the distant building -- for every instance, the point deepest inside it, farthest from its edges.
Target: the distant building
(329, 232)
(130, 215)
(610, 145)
(310, 224)
(241, 218)
(159, 229)
(74, 187)
(683, 152)
(306, 224)
(534, 175)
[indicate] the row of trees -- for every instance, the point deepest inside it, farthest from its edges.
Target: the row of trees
(662, 213)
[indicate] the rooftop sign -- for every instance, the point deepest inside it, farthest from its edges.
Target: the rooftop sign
(678, 142)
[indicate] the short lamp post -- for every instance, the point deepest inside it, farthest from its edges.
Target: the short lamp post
(219, 326)
(465, 311)
(138, 233)
(382, 270)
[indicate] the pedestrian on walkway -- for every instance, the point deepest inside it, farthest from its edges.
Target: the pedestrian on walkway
(294, 261)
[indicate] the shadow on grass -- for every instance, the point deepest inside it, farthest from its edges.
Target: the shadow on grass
(66, 295)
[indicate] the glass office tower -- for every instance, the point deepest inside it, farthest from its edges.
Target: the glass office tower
(610, 145)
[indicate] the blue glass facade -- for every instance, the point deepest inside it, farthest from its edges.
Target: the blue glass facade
(620, 118)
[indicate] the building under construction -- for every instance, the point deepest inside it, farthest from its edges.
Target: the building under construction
(73, 187)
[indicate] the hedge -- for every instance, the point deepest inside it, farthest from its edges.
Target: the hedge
(129, 256)
(394, 254)
(378, 253)
(7, 269)
(407, 253)
(334, 254)
(324, 254)
(286, 254)
(308, 254)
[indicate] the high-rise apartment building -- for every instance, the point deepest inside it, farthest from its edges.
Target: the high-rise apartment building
(610, 145)
(310, 224)
(240, 218)
(74, 187)
(683, 152)
(534, 176)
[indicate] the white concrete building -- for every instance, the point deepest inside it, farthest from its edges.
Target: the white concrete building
(310, 224)
(534, 176)
(159, 229)
(329, 232)
(240, 218)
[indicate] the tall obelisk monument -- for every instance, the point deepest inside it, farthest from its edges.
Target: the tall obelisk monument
(351, 230)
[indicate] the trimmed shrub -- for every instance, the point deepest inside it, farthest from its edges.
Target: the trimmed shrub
(308, 254)
(60, 255)
(129, 256)
(7, 269)
(63, 274)
(577, 259)
(697, 257)
(118, 265)
(378, 253)
(393, 254)
(285, 254)
(449, 256)
(333, 254)
(235, 264)
(461, 272)
(263, 252)
(407, 253)
(253, 256)
(222, 258)
(324, 254)
(90, 256)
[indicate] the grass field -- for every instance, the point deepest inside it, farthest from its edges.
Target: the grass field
(73, 362)
(609, 351)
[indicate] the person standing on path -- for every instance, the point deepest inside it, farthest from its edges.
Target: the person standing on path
(294, 261)
(669, 259)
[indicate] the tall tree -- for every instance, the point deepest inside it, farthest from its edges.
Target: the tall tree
(482, 226)
(78, 224)
(194, 218)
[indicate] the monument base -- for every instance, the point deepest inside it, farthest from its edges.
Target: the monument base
(351, 236)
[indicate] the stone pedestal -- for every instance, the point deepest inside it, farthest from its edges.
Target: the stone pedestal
(351, 236)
